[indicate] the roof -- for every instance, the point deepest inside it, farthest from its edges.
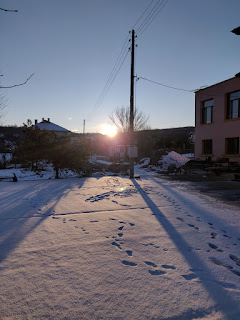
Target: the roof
(215, 84)
(49, 126)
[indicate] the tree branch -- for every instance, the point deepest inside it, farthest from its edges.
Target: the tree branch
(17, 85)
(6, 10)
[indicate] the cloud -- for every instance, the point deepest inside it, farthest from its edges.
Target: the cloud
(69, 119)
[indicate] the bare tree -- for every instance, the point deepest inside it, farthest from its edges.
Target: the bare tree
(7, 10)
(14, 85)
(120, 117)
(17, 85)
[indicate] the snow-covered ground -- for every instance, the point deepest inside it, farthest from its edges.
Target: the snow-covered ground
(115, 248)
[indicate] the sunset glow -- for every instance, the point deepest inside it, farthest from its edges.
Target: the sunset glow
(109, 130)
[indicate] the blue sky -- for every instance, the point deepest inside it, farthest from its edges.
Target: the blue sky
(72, 46)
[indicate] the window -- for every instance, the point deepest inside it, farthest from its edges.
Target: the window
(207, 146)
(232, 145)
(233, 106)
(207, 111)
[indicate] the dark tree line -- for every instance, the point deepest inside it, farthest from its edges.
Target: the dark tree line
(63, 152)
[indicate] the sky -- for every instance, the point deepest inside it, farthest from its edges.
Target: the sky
(72, 47)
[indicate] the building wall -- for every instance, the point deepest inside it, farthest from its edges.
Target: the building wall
(221, 128)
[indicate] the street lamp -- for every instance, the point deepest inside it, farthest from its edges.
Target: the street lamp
(236, 31)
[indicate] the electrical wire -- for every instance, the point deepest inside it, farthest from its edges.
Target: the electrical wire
(158, 7)
(142, 14)
(164, 85)
(153, 18)
(113, 74)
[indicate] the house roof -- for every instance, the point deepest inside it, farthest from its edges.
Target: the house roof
(49, 126)
(215, 84)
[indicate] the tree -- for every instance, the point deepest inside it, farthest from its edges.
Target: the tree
(63, 152)
(34, 146)
(120, 117)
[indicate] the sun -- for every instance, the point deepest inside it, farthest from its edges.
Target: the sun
(109, 130)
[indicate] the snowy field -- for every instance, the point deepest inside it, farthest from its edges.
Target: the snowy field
(114, 248)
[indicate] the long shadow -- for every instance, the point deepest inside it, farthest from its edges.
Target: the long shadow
(224, 302)
(197, 210)
(17, 222)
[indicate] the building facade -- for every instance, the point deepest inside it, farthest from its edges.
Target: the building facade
(217, 121)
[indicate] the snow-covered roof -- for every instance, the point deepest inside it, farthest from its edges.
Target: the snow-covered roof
(49, 126)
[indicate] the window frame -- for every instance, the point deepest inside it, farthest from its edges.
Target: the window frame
(204, 112)
(205, 146)
(229, 111)
(229, 149)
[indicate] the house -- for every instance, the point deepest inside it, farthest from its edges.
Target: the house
(217, 121)
(49, 126)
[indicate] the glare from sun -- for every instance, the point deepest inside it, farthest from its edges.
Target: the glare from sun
(109, 130)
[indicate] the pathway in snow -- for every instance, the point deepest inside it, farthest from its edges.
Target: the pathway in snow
(113, 248)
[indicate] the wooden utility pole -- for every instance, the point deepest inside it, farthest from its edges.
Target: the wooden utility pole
(131, 126)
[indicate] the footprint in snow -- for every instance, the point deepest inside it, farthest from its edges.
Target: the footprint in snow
(193, 226)
(225, 235)
(152, 264)
(129, 252)
(120, 228)
(129, 263)
(235, 259)
(213, 246)
(180, 219)
(117, 245)
(190, 276)
(220, 263)
(156, 272)
(94, 221)
(167, 266)
(213, 235)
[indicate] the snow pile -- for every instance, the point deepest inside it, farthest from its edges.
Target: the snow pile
(26, 174)
(144, 162)
(173, 158)
(168, 162)
(5, 157)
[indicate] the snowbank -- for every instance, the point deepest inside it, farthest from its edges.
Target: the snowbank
(174, 158)
(171, 159)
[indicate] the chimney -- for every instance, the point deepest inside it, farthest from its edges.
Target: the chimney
(48, 119)
(42, 119)
(35, 121)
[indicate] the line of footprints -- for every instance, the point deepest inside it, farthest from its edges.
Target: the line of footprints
(118, 241)
(214, 235)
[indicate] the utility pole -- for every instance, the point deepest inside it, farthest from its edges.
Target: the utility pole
(84, 122)
(131, 126)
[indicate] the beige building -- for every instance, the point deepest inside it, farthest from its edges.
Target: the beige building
(217, 121)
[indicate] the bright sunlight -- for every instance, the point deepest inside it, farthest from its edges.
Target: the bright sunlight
(109, 130)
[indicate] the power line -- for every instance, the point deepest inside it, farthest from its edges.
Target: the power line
(113, 74)
(158, 7)
(164, 85)
(142, 14)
